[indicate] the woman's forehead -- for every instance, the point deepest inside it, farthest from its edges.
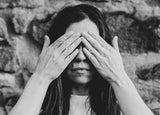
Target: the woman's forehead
(85, 25)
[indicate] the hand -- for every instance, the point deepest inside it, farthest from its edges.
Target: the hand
(54, 58)
(105, 58)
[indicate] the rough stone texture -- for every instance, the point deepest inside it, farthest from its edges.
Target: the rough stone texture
(10, 82)
(144, 70)
(2, 104)
(3, 30)
(134, 36)
(147, 73)
(23, 24)
(21, 19)
(21, 3)
(27, 52)
(8, 60)
(141, 9)
(11, 87)
(40, 23)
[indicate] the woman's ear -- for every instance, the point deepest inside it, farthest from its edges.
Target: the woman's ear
(115, 43)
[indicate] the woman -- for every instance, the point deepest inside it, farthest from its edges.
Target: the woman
(80, 73)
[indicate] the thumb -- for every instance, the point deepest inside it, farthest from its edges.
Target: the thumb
(46, 44)
(115, 43)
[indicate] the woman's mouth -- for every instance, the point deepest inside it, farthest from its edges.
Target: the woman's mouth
(80, 70)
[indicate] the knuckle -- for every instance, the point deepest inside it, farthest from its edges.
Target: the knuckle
(69, 48)
(55, 54)
(69, 57)
(58, 42)
(91, 51)
(57, 63)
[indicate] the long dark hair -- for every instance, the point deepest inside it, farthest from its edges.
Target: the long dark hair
(101, 95)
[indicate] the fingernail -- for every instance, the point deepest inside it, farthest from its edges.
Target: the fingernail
(77, 34)
(82, 38)
(45, 37)
(84, 33)
(116, 37)
(84, 49)
(89, 32)
(70, 32)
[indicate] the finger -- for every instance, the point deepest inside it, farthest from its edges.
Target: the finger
(71, 48)
(59, 41)
(93, 60)
(90, 48)
(92, 42)
(98, 55)
(115, 43)
(46, 44)
(101, 41)
(70, 57)
(68, 42)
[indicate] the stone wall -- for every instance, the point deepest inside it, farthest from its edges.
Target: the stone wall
(23, 23)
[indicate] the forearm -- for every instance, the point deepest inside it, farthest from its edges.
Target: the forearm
(32, 98)
(129, 100)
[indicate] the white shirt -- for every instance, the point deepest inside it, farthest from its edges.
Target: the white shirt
(79, 105)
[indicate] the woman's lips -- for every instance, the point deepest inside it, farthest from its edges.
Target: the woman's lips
(75, 69)
(80, 70)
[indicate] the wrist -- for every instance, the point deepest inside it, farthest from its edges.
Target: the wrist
(128, 97)
(122, 80)
(32, 97)
(36, 85)
(40, 79)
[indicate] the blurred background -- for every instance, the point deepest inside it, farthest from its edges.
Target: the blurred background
(23, 23)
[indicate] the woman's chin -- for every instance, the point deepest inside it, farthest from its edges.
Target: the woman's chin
(80, 78)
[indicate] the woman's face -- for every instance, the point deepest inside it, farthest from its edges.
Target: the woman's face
(80, 70)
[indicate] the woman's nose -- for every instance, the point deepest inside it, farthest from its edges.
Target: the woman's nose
(81, 56)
